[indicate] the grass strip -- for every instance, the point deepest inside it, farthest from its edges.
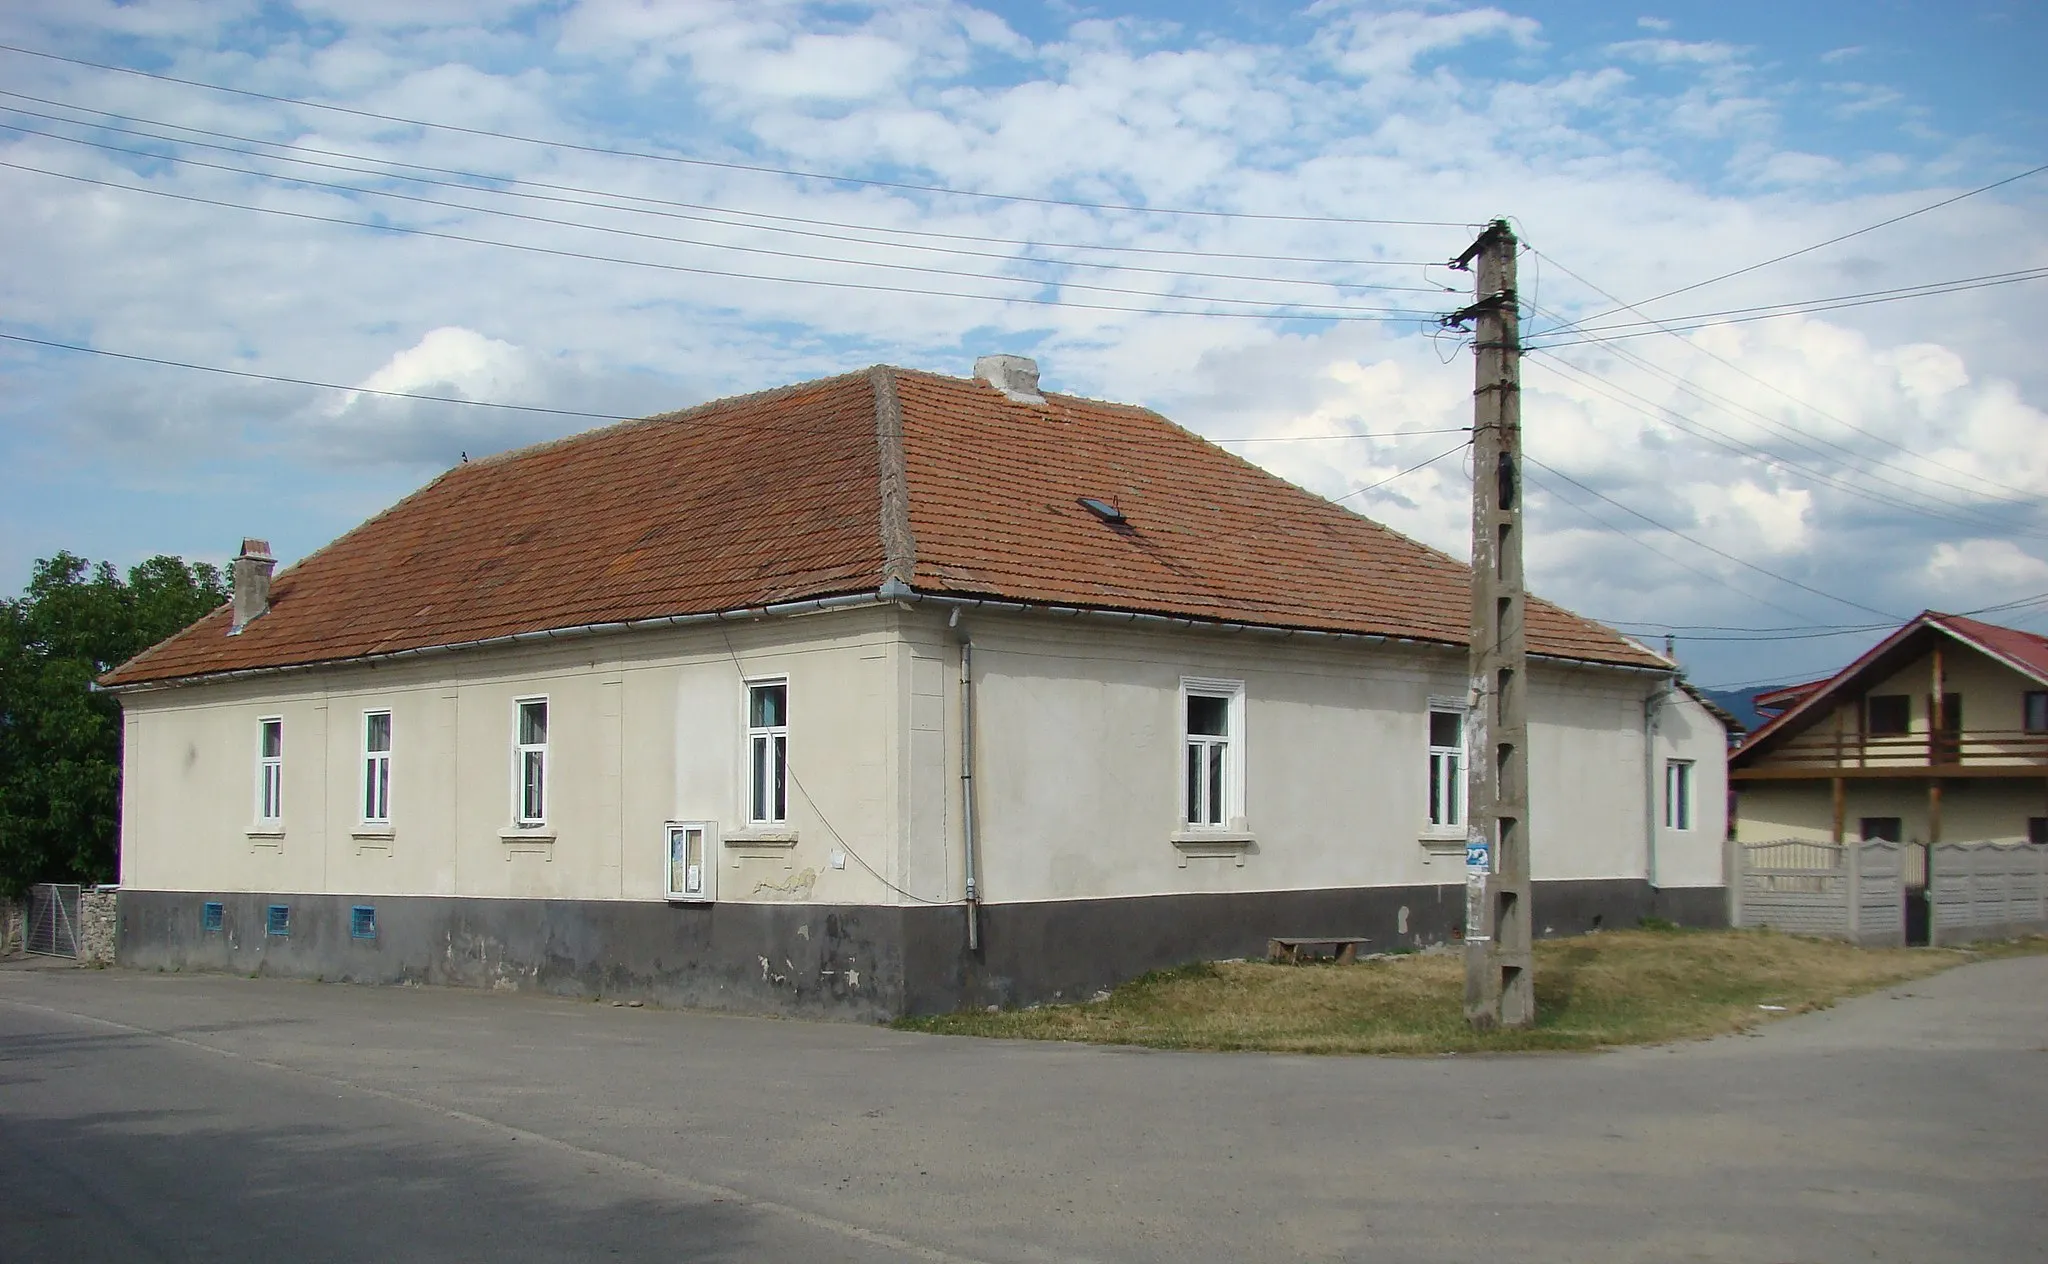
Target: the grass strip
(1592, 991)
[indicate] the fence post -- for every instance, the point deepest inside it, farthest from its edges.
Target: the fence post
(1733, 862)
(1852, 885)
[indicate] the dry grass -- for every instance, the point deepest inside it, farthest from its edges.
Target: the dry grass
(1615, 988)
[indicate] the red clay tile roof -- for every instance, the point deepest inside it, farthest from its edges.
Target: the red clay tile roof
(833, 487)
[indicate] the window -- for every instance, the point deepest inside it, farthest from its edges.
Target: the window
(277, 920)
(270, 771)
(362, 921)
(376, 767)
(2034, 711)
(1212, 773)
(210, 917)
(1882, 829)
(768, 752)
(690, 871)
(2037, 829)
(530, 761)
(1888, 714)
(1446, 768)
(1678, 794)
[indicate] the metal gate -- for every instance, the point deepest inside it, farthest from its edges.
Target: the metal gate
(52, 920)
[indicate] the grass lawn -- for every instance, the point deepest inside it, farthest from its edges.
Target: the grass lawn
(1613, 988)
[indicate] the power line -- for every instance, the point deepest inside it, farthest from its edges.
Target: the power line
(1685, 629)
(1697, 543)
(1804, 441)
(1699, 430)
(1360, 434)
(616, 196)
(1819, 245)
(626, 232)
(1279, 311)
(1779, 391)
(726, 165)
(1401, 474)
(1680, 324)
(712, 245)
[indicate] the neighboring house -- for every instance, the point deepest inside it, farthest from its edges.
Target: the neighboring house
(687, 708)
(1939, 734)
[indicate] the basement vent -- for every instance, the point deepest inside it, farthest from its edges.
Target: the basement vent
(1104, 510)
(210, 917)
(362, 921)
(278, 920)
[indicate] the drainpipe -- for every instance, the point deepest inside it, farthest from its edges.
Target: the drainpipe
(1653, 706)
(967, 777)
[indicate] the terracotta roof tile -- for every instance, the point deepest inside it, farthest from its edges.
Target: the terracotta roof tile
(785, 495)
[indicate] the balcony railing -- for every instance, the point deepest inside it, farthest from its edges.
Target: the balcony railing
(1969, 748)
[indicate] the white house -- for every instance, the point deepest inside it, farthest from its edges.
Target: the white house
(884, 693)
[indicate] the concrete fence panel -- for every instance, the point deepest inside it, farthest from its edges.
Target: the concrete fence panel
(1987, 891)
(1849, 891)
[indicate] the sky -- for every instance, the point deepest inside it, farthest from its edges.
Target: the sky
(1769, 442)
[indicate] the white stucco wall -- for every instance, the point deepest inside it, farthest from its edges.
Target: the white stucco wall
(644, 728)
(1078, 767)
(1079, 734)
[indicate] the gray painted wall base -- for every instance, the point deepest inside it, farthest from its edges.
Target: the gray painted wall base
(860, 962)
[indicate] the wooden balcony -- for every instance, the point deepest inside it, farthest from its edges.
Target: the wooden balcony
(1969, 753)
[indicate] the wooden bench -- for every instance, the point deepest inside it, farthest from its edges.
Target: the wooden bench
(1345, 948)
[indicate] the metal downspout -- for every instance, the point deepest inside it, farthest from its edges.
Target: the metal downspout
(1653, 704)
(967, 779)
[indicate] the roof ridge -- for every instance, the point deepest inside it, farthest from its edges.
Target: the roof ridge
(690, 413)
(892, 482)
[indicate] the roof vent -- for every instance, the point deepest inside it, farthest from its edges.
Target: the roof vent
(1104, 510)
(1015, 376)
(252, 582)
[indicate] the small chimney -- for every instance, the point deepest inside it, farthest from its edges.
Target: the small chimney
(252, 582)
(1015, 376)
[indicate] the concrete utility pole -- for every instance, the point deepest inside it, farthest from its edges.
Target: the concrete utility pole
(1499, 973)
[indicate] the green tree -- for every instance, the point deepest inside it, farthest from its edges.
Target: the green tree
(60, 743)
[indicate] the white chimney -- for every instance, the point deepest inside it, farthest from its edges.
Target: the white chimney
(252, 582)
(1015, 376)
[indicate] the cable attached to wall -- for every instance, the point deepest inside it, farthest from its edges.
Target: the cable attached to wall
(789, 770)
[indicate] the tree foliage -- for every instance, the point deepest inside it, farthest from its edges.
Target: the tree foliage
(60, 743)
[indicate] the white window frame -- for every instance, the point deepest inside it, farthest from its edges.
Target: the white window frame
(520, 751)
(269, 775)
(771, 738)
(1680, 789)
(676, 878)
(1234, 747)
(1457, 783)
(373, 788)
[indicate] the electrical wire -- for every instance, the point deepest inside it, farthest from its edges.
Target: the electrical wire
(705, 219)
(727, 165)
(1697, 543)
(1335, 500)
(1781, 392)
(1361, 434)
(789, 769)
(1819, 245)
(1278, 311)
(1685, 425)
(755, 250)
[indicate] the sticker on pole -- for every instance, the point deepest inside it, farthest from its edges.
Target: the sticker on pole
(1478, 867)
(1478, 857)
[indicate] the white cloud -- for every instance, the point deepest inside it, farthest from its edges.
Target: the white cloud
(1979, 568)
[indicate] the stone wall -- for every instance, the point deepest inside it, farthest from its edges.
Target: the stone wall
(96, 925)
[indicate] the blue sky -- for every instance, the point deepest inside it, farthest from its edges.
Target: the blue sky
(1818, 471)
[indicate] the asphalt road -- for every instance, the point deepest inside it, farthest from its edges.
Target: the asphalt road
(152, 1117)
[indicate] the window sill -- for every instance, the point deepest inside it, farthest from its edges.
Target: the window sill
(767, 836)
(528, 841)
(1444, 844)
(266, 833)
(372, 834)
(1231, 844)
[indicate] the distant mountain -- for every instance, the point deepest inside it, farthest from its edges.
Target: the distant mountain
(1741, 703)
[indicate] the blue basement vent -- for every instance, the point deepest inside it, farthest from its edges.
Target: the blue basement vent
(278, 921)
(210, 916)
(362, 921)
(1104, 510)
